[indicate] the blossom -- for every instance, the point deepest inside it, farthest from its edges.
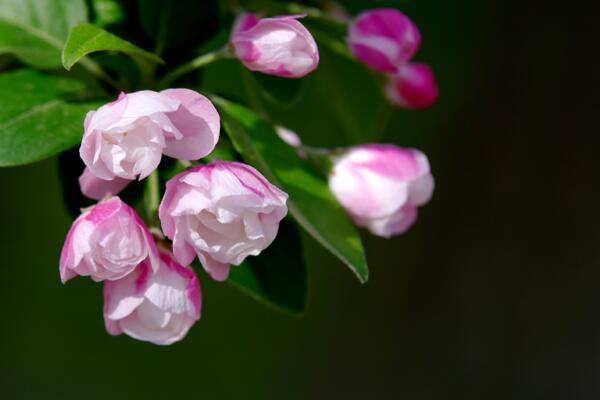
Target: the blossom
(95, 188)
(413, 86)
(157, 307)
(107, 241)
(381, 186)
(221, 212)
(127, 138)
(279, 46)
(383, 38)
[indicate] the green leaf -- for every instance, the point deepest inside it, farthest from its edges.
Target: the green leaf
(40, 115)
(282, 92)
(36, 30)
(277, 277)
(87, 38)
(310, 202)
(107, 12)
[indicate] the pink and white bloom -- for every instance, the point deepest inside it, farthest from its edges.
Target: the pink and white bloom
(127, 138)
(413, 86)
(381, 186)
(156, 307)
(95, 188)
(383, 38)
(221, 212)
(106, 242)
(279, 46)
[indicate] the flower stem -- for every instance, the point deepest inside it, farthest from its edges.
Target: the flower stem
(198, 62)
(152, 198)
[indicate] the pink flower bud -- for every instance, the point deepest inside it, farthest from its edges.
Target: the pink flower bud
(222, 212)
(383, 38)
(156, 307)
(96, 188)
(412, 87)
(127, 138)
(381, 186)
(279, 46)
(106, 242)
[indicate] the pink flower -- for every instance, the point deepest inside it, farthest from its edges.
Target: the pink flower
(413, 86)
(96, 188)
(381, 186)
(279, 46)
(156, 307)
(222, 212)
(383, 38)
(106, 242)
(127, 138)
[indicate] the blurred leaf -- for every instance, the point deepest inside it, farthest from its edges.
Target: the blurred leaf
(87, 38)
(310, 201)
(107, 12)
(280, 91)
(277, 277)
(36, 30)
(40, 115)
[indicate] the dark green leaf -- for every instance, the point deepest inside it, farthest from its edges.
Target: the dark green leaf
(310, 202)
(277, 276)
(280, 91)
(40, 115)
(36, 30)
(87, 38)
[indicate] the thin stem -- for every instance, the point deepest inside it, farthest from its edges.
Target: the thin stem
(152, 198)
(196, 63)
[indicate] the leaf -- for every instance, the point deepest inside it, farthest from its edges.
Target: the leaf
(277, 277)
(282, 92)
(86, 38)
(310, 202)
(106, 12)
(40, 115)
(36, 30)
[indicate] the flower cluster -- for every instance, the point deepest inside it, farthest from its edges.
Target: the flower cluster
(386, 40)
(223, 212)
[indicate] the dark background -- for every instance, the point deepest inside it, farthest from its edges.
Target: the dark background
(494, 294)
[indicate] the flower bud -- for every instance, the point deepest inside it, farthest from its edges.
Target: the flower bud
(156, 307)
(127, 138)
(106, 242)
(96, 188)
(279, 46)
(381, 186)
(222, 212)
(383, 38)
(413, 86)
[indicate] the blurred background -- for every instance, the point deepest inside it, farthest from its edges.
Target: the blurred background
(493, 294)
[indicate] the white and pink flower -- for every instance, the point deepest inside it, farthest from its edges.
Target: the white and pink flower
(221, 212)
(158, 307)
(127, 138)
(107, 242)
(383, 38)
(413, 86)
(381, 186)
(279, 46)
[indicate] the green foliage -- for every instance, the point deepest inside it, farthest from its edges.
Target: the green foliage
(36, 30)
(46, 119)
(277, 277)
(310, 201)
(86, 38)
